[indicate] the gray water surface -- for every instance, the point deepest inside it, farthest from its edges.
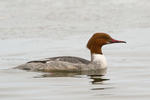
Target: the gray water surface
(36, 29)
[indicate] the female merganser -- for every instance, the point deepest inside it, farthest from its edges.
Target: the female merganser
(75, 64)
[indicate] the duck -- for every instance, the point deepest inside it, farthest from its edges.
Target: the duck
(75, 64)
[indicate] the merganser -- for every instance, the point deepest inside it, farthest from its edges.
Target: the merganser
(75, 64)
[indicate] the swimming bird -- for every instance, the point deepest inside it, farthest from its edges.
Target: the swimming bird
(75, 64)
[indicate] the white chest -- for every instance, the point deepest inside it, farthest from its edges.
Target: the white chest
(99, 59)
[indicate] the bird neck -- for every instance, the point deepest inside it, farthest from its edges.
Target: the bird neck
(99, 59)
(96, 50)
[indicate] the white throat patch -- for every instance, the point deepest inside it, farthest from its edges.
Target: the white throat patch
(99, 59)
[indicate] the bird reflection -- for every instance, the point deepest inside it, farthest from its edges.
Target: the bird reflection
(97, 79)
(96, 75)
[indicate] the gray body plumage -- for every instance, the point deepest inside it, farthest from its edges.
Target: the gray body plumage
(60, 64)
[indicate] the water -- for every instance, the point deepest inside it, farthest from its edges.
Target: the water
(31, 29)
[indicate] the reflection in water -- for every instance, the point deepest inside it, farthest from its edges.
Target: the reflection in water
(96, 76)
(97, 79)
(91, 73)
